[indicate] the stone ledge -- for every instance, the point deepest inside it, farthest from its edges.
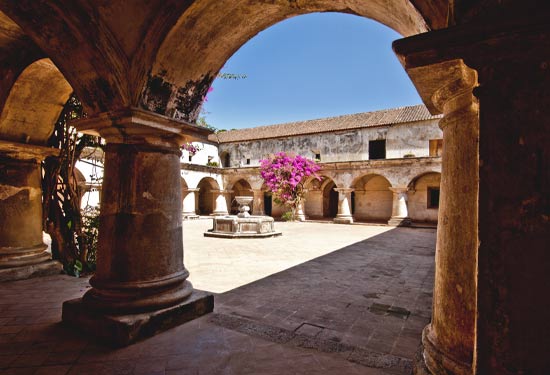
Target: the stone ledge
(399, 222)
(242, 235)
(48, 268)
(123, 330)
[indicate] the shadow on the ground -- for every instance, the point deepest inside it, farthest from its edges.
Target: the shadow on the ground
(375, 294)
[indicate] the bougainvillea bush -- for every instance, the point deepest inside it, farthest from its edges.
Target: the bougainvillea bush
(285, 174)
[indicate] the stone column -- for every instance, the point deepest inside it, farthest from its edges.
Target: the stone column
(140, 272)
(344, 210)
(221, 197)
(399, 212)
(449, 339)
(300, 214)
(258, 202)
(189, 199)
(22, 251)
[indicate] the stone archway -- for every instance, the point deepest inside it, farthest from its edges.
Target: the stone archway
(372, 199)
(206, 201)
(330, 199)
(239, 188)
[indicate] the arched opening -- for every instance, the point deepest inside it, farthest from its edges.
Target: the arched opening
(207, 200)
(330, 199)
(424, 197)
(34, 104)
(239, 188)
(225, 158)
(372, 199)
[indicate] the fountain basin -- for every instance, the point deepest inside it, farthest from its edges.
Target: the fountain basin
(232, 226)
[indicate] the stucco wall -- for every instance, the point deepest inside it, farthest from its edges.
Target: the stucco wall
(418, 198)
(353, 145)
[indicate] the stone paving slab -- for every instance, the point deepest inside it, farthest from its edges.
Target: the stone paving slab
(318, 286)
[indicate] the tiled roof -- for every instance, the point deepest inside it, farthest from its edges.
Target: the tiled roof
(330, 124)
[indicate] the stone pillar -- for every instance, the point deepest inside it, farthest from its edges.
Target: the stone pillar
(399, 212)
(300, 214)
(221, 197)
(511, 57)
(513, 325)
(344, 209)
(258, 202)
(22, 251)
(140, 272)
(189, 200)
(448, 341)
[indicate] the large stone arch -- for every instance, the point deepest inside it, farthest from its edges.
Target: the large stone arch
(34, 103)
(239, 187)
(209, 32)
(372, 198)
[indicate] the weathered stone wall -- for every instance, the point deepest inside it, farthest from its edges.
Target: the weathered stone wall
(418, 198)
(352, 145)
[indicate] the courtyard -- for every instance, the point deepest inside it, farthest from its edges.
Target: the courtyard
(321, 299)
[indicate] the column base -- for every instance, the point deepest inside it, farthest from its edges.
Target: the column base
(400, 222)
(343, 220)
(123, 330)
(46, 268)
(436, 362)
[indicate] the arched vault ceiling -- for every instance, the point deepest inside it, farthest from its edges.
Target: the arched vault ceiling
(110, 49)
(210, 31)
(34, 104)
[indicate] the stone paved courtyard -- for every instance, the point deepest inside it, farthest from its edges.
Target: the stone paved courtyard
(321, 299)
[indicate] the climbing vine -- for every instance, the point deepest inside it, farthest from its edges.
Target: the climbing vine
(74, 235)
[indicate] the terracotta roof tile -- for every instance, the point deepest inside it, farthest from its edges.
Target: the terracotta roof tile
(330, 124)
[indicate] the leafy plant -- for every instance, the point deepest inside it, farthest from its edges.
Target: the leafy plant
(212, 164)
(287, 216)
(284, 175)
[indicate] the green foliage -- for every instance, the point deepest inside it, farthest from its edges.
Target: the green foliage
(212, 164)
(287, 216)
(62, 217)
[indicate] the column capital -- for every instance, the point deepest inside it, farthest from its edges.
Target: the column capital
(194, 190)
(24, 151)
(344, 190)
(221, 191)
(137, 126)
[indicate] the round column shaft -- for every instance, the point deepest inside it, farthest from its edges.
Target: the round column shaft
(220, 208)
(189, 200)
(449, 339)
(400, 211)
(344, 215)
(21, 242)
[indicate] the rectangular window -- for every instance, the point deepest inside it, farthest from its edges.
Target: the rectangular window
(190, 158)
(433, 197)
(377, 149)
(436, 147)
(247, 161)
(318, 157)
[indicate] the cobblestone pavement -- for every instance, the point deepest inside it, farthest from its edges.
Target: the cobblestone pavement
(321, 299)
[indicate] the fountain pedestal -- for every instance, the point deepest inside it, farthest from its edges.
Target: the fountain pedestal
(243, 225)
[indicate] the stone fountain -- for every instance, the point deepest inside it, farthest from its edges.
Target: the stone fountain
(243, 225)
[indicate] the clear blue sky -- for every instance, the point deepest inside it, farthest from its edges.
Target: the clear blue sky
(311, 66)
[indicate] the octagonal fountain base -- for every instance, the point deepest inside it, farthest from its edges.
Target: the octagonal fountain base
(243, 225)
(233, 226)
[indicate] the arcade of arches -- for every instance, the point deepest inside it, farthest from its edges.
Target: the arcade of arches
(141, 70)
